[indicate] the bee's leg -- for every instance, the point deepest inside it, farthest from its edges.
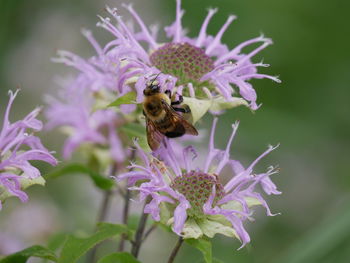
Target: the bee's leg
(168, 92)
(183, 109)
(179, 101)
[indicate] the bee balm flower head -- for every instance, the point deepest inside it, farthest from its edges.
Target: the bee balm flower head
(202, 69)
(192, 198)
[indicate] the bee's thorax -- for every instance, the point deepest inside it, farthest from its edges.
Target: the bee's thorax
(153, 106)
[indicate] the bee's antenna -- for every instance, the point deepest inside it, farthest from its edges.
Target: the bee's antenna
(155, 78)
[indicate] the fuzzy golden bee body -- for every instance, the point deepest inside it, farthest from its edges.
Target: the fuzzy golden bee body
(162, 118)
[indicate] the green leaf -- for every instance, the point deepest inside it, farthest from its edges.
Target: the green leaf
(120, 257)
(56, 241)
(75, 247)
(139, 131)
(34, 251)
(75, 168)
(204, 246)
(322, 240)
(128, 98)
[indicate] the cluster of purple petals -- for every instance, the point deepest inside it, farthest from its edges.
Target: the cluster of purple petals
(74, 111)
(124, 60)
(232, 68)
(156, 180)
(18, 146)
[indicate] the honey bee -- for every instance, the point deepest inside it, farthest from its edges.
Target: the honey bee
(162, 117)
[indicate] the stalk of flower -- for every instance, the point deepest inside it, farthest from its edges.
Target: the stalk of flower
(18, 146)
(193, 200)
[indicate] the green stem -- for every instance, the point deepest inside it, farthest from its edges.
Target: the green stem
(175, 250)
(125, 218)
(149, 231)
(139, 233)
(126, 208)
(102, 215)
(105, 206)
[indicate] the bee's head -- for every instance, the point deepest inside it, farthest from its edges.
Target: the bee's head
(151, 89)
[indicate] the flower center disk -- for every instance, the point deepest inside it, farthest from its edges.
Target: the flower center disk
(197, 187)
(182, 60)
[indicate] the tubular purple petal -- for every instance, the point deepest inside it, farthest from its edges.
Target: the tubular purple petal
(217, 38)
(203, 30)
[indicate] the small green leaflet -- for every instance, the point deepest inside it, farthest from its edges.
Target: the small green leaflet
(76, 168)
(74, 247)
(204, 246)
(34, 251)
(136, 130)
(128, 98)
(25, 183)
(120, 257)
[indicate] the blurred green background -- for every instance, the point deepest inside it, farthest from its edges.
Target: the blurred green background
(308, 114)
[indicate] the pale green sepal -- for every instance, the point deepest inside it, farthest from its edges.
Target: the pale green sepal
(4, 194)
(210, 228)
(251, 201)
(220, 103)
(198, 108)
(132, 80)
(220, 219)
(232, 205)
(191, 229)
(25, 183)
(235, 205)
(165, 213)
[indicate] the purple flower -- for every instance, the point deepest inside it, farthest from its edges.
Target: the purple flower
(74, 112)
(17, 147)
(202, 69)
(191, 197)
(195, 67)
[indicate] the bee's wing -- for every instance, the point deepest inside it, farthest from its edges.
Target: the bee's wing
(154, 137)
(178, 119)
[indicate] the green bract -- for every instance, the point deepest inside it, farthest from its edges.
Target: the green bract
(24, 182)
(208, 225)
